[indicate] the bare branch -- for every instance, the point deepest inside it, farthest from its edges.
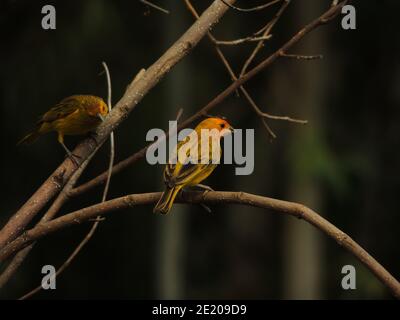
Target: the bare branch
(154, 6)
(268, 129)
(266, 31)
(112, 140)
(267, 115)
(258, 8)
(336, 12)
(179, 114)
(210, 197)
(242, 40)
(302, 57)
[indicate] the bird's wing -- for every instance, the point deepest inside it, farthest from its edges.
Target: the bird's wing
(178, 174)
(185, 174)
(60, 111)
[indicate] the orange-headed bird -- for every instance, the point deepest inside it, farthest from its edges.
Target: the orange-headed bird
(182, 174)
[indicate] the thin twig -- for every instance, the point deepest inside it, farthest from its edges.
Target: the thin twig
(249, 99)
(179, 114)
(283, 118)
(264, 115)
(302, 57)
(242, 40)
(66, 263)
(112, 142)
(257, 8)
(98, 219)
(209, 198)
(154, 6)
(265, 33)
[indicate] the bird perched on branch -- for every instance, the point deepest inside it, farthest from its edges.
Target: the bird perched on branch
(183, 173)
(74, 115)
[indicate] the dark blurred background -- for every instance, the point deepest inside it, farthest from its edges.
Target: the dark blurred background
(344, 163)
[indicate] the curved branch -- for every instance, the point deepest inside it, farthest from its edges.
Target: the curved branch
(211, 197)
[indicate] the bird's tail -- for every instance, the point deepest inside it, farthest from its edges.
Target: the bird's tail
(166, 201)
(30, 138)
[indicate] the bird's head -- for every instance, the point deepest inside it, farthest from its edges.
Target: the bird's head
(219, 124)
(97, 107)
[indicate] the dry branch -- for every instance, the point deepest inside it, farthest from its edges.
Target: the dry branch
(150, 4)
(211, 197)
(242, 40)
(265, 32)
(257, 8)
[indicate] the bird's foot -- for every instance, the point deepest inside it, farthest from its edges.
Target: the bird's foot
(206, 189)
(70, 155)
(203, 187)
(93, 135)
(97, 219)
(208, 209)
(73, 157)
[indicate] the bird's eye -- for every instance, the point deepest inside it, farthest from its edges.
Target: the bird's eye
(222, 125)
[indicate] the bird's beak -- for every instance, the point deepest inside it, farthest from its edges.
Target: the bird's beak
(100, 116)
(231, 128)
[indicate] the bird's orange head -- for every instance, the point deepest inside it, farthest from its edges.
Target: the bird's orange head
(220, 124)
(96, 107)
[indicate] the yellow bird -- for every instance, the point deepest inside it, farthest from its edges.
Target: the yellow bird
(74, 115)
(182, 174)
